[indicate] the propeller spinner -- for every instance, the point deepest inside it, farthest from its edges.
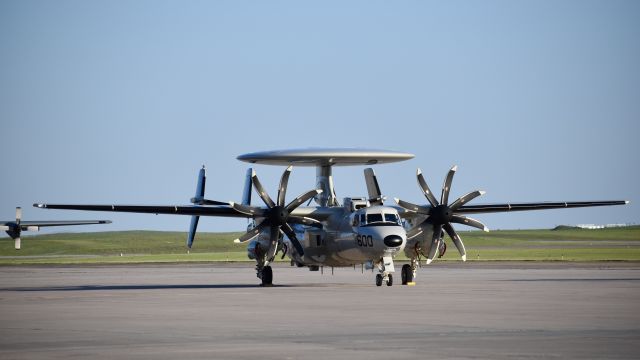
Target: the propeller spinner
(277, 216)
(440, 215)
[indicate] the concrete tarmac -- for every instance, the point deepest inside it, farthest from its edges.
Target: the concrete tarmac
(456, 311)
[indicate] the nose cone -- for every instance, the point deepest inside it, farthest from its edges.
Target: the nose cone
(393, 241)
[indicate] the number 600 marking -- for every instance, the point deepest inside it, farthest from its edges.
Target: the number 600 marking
(364, 240)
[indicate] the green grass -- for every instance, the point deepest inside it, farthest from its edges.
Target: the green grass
(617, 244)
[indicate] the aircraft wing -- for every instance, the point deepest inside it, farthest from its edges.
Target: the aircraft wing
(495, 208)
(25, 224)
(199, 210)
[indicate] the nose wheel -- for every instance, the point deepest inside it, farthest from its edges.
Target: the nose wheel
(380, 279)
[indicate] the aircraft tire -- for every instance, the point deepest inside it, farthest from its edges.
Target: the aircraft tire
(390, 280)
(267, 276)
(407, 274)
(379, 280)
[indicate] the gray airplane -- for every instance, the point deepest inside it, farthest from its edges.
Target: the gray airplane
(360, 230)
(15, 228)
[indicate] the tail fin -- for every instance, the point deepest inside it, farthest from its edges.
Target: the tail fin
(202, 178)
(375, 196)
(246, 194)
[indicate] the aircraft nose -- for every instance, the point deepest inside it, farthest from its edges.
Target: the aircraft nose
(393, 241)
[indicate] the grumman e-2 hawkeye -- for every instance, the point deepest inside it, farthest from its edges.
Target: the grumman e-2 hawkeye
(358, 231)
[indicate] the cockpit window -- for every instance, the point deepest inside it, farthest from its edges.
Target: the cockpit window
(391, 218)
(374, 218)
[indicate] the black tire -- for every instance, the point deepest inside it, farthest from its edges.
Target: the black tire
(379, 280)
(390, 280)
(267, 276)
(407, 274)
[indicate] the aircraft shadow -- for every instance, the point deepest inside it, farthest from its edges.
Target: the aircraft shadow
(574, 280)
(139, 287)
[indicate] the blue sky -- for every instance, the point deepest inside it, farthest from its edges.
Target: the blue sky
(123, 101)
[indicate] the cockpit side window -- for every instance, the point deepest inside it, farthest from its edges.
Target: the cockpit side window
(362, 219)
(391, 218)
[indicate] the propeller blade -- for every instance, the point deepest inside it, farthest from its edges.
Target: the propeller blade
(413, 207)
(251, 233)
(302, 199)
(18, 215)
(464, 220)
(17, 243)
(446, 187)
(465, 199)
(416, 231)
(273, 247)
(456, 240)
(286, 228)
(425, 189)
(260, 189)
(305, 221)
(203, 201)
(249, 210)
(437, 232)
(192, 230)
(282, 190)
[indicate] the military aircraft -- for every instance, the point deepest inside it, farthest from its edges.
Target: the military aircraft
(15, 228)
(361, 230)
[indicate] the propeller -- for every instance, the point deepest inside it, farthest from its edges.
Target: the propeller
(441, 214)
(277, 217)
(18, 228)
(14, 229)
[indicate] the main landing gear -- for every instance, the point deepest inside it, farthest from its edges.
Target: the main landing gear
(409, 272)
(266, 276)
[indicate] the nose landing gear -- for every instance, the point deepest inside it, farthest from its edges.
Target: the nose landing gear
(385, 267)
(380, 279)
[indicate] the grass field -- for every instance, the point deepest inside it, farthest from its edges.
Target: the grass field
(617, 244)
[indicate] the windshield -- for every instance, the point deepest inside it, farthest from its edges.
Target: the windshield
(384, 219)
(374, 218)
